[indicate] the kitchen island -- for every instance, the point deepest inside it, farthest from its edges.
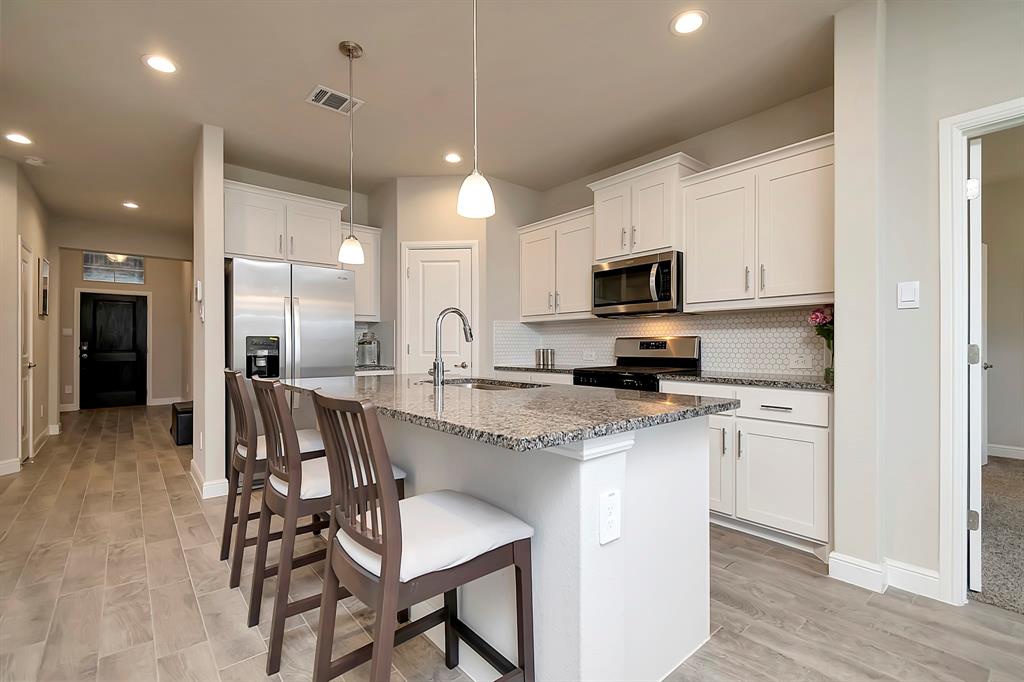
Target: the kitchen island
(621, 587)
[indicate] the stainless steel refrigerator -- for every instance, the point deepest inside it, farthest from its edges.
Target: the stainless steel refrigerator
(289, 321)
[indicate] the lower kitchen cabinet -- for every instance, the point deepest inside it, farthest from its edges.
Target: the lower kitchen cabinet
(722, 461)
(782, 476)
(535, 377)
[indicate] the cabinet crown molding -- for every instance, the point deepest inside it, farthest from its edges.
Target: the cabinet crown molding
(761, 159)
(281, 194)
(678, 159)
(578, 213)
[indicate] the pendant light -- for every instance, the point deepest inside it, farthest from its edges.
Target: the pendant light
(475, 197)
(351, 250)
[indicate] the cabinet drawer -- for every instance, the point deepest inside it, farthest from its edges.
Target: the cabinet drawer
(782, 405)
(701, 389)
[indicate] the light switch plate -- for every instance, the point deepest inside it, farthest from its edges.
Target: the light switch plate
(908, 295)
(610, 522)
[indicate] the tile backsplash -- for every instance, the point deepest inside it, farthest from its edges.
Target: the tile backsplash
(749, 341)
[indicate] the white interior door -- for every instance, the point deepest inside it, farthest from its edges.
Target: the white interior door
(985, 366)
(436, 279)
(26, 309)
(974, 369)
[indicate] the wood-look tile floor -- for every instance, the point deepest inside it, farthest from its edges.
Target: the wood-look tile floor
(109, 570)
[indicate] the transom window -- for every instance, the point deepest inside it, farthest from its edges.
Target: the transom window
(113, 267)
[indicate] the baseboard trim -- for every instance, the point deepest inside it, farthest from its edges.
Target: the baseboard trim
(65, 407)
(857, 572)
(164, 401)
(9, 466)
(792, 541)
(1010, 451)
(911, 578)
(208, 489)
(53, 429)
(40, 441)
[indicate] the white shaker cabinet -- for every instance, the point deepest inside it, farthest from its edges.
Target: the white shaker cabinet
(782, 476)
(722, 463)
(635, 212)
(254, 223)
(759, 233)
(367, 279)
(555, 260)
(312, 233)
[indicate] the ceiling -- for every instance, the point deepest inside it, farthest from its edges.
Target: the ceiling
(566, 88)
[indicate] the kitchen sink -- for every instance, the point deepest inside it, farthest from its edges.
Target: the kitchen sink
(490, 384)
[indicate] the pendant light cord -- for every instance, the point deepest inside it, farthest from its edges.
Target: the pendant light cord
(475, 162)
(351, 149)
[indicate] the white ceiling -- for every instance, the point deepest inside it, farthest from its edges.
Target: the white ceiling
(566, 88)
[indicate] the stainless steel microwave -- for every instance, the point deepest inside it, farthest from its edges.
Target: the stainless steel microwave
(646, 285)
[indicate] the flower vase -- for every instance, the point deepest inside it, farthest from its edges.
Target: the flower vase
(829, 369)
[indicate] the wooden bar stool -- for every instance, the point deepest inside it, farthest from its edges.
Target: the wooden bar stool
(296, 487)
(393, 553)
(310, 445)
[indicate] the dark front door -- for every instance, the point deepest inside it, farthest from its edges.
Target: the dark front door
(112, 354)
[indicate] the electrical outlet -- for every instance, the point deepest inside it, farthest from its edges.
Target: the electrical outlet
(800, 361)
(68, 389)
(590, 356)
(610, 522)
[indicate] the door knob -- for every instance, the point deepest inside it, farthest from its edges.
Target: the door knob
(30, 365)
(463, 365)
(987, 365)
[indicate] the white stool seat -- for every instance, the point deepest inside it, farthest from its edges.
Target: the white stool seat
(440, 530)
(316, 479)
(310, 440)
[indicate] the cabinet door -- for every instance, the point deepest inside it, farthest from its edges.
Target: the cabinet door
(653, 209)
(721, 453)
(782, 475)
(574, 251)
(537, 272)
(796, 225)
(718, 219)
(253, 224)
(367, 275)
(312, 233)
(612, 227)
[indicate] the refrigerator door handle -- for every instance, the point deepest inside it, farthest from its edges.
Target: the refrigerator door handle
(296, 339)
(286, 349)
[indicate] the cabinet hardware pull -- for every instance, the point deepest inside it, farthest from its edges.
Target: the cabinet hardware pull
(549, 300)
(762, 276)
(634, 236)
(723, 440)
(558, 301)
(777, 408)
(623, 237)
(280, 243)
(746, 278)
(739, 444)
(291, 245)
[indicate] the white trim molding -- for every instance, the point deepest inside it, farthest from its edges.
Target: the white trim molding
(1010, 451)
(40, 441)
(954, 133)
(207, 489)
(53, 429)
(9, 466)
(593, 448)
(910, 578)
(164, 401)
(850, 569)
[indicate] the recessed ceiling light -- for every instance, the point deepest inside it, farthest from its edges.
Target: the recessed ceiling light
(160, 63)
(130, 204)
(689, 21)
(35, 161)
(18, 138)
(452, 157)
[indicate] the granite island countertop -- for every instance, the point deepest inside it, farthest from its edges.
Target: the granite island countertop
(521, 419)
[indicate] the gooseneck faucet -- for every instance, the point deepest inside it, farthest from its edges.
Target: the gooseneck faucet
(467, 331)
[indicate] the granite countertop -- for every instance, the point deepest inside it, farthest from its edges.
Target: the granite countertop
(797, 381)
(553, 369)
(520, 420)
(374, 368)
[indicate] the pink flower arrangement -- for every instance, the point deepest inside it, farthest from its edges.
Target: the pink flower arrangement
(820, 316)
(822, 319)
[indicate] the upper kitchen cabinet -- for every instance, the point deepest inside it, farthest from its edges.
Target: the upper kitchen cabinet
(635, 212)
(267, 223)
(759, 233)
(367, 274)
(555, 259)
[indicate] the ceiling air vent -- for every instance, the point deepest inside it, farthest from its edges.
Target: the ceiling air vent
(338, 102)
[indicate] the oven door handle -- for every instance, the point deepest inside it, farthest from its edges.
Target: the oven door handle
(652, 282)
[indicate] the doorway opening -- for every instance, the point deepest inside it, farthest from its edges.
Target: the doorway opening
(26, 310)
(113, 349)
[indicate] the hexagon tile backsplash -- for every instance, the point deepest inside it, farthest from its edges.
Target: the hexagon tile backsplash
(753, 341)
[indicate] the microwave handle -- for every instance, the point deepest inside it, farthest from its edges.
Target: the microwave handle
(652, 282)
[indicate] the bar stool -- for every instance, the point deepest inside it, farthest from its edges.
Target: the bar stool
(310, 445)
(296, 487)
(393, 553)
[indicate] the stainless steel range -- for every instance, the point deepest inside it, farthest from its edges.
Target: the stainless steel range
(640, 359)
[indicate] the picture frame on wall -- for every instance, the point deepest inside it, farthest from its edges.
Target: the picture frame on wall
(44, 287)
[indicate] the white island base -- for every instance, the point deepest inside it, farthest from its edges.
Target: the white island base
(631, 609)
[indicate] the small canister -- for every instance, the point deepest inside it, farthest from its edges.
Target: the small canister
(544, 357)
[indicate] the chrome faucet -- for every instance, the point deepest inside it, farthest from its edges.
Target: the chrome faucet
(467, 331)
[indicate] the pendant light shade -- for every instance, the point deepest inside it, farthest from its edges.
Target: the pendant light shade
(475, 197)
(351, 251)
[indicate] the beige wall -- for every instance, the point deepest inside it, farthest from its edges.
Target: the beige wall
(308, 189)
(91, 235)
(9, 369)
(383, 213)
(1002, 222)
(167, 345)
(187, 302)
(32, 226)
(942, 59)
(793, 121)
